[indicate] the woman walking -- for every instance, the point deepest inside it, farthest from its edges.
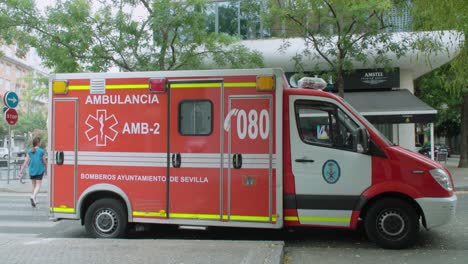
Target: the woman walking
(36, 160)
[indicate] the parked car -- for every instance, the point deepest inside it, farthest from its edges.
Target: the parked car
(425, 150)
(4, 153)
(417, 147)
(19, 154)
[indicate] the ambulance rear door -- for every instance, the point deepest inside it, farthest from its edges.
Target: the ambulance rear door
(64, 150)
(249, 193)
(195, 150)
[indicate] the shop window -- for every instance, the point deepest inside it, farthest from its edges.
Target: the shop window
(195, 118)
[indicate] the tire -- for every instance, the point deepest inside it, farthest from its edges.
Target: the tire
(5, 156)
(106, 218)
(392, 223)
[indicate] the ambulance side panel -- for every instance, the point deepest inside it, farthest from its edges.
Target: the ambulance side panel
(120, 140)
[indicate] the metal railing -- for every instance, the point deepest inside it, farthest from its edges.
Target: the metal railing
(10, 171)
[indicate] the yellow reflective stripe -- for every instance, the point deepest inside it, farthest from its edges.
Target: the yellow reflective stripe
(195, 85)
(127, 86)
(78, 87)
(207, 216)
(150, 214)
(63, 210)
(174, 85)
(195, 216)
(318, 219)
(246, 84)
(212, 85)
(291, 218)
(111, 86)
(250, 218)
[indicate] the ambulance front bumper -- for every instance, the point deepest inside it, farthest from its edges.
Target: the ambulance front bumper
(438, 211)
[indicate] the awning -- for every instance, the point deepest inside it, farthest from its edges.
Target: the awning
(397, 106)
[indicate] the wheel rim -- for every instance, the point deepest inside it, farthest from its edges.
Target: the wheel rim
(392, 224)
(106, 221)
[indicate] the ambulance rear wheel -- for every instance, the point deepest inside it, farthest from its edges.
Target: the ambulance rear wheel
(392, 223)
(106, 218)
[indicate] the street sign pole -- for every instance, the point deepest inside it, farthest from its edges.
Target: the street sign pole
(9, 153)
(11, 100)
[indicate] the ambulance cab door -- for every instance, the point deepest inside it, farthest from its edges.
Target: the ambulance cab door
(64, 152)
(249, 182)
(195, 149)
(329, 172)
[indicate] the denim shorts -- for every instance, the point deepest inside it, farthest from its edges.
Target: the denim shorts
(36, 177)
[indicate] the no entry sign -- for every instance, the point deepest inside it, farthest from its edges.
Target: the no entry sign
(11, 116)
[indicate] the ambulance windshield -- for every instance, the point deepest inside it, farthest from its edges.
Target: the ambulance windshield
(370, 125)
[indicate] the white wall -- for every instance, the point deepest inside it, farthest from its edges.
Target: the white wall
(406, 134)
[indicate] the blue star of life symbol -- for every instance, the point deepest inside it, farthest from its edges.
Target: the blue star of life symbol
(101, 127)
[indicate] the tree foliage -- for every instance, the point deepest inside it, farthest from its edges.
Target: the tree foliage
(453, 78)
(448, 104)
(132, 35)
(32, 117)
(342, 32)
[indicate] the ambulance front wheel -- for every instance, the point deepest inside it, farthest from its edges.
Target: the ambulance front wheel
(106, 218)
(392, 223)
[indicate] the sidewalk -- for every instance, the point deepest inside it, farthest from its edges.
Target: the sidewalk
(14, 185)
(146, 251)
(459, 175)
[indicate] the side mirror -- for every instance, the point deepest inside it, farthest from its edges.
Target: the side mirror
(362, 140)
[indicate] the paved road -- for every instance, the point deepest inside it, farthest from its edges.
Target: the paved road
(18, 218)
(27, 236)
(22, 225)
(446, 244)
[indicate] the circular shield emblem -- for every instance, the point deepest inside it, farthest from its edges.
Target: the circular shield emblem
(331, 171)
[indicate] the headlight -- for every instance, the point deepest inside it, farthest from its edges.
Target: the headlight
(442, 178)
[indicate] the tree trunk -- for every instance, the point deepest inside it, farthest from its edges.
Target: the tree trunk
(340, 84)
(464, 134)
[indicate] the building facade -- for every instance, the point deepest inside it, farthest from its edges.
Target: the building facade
(414, 64)
(20, 75)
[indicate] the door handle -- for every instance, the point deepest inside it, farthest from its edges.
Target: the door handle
(176, 160)
(59, 157)
(237, 161)
(305, 160)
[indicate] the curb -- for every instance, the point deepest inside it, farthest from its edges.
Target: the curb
(53, 250)
(461, 189)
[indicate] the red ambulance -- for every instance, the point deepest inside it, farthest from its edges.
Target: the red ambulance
(231, 148)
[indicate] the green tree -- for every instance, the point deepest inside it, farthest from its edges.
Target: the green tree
(448, 15)
(133, 35)
(342, 32)
(32, 110)
(448, 105)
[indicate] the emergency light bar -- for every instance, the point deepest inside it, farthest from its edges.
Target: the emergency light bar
(265, 83)
(157, 85)
(312, 83)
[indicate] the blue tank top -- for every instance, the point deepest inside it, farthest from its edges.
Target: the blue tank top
(36, 166)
